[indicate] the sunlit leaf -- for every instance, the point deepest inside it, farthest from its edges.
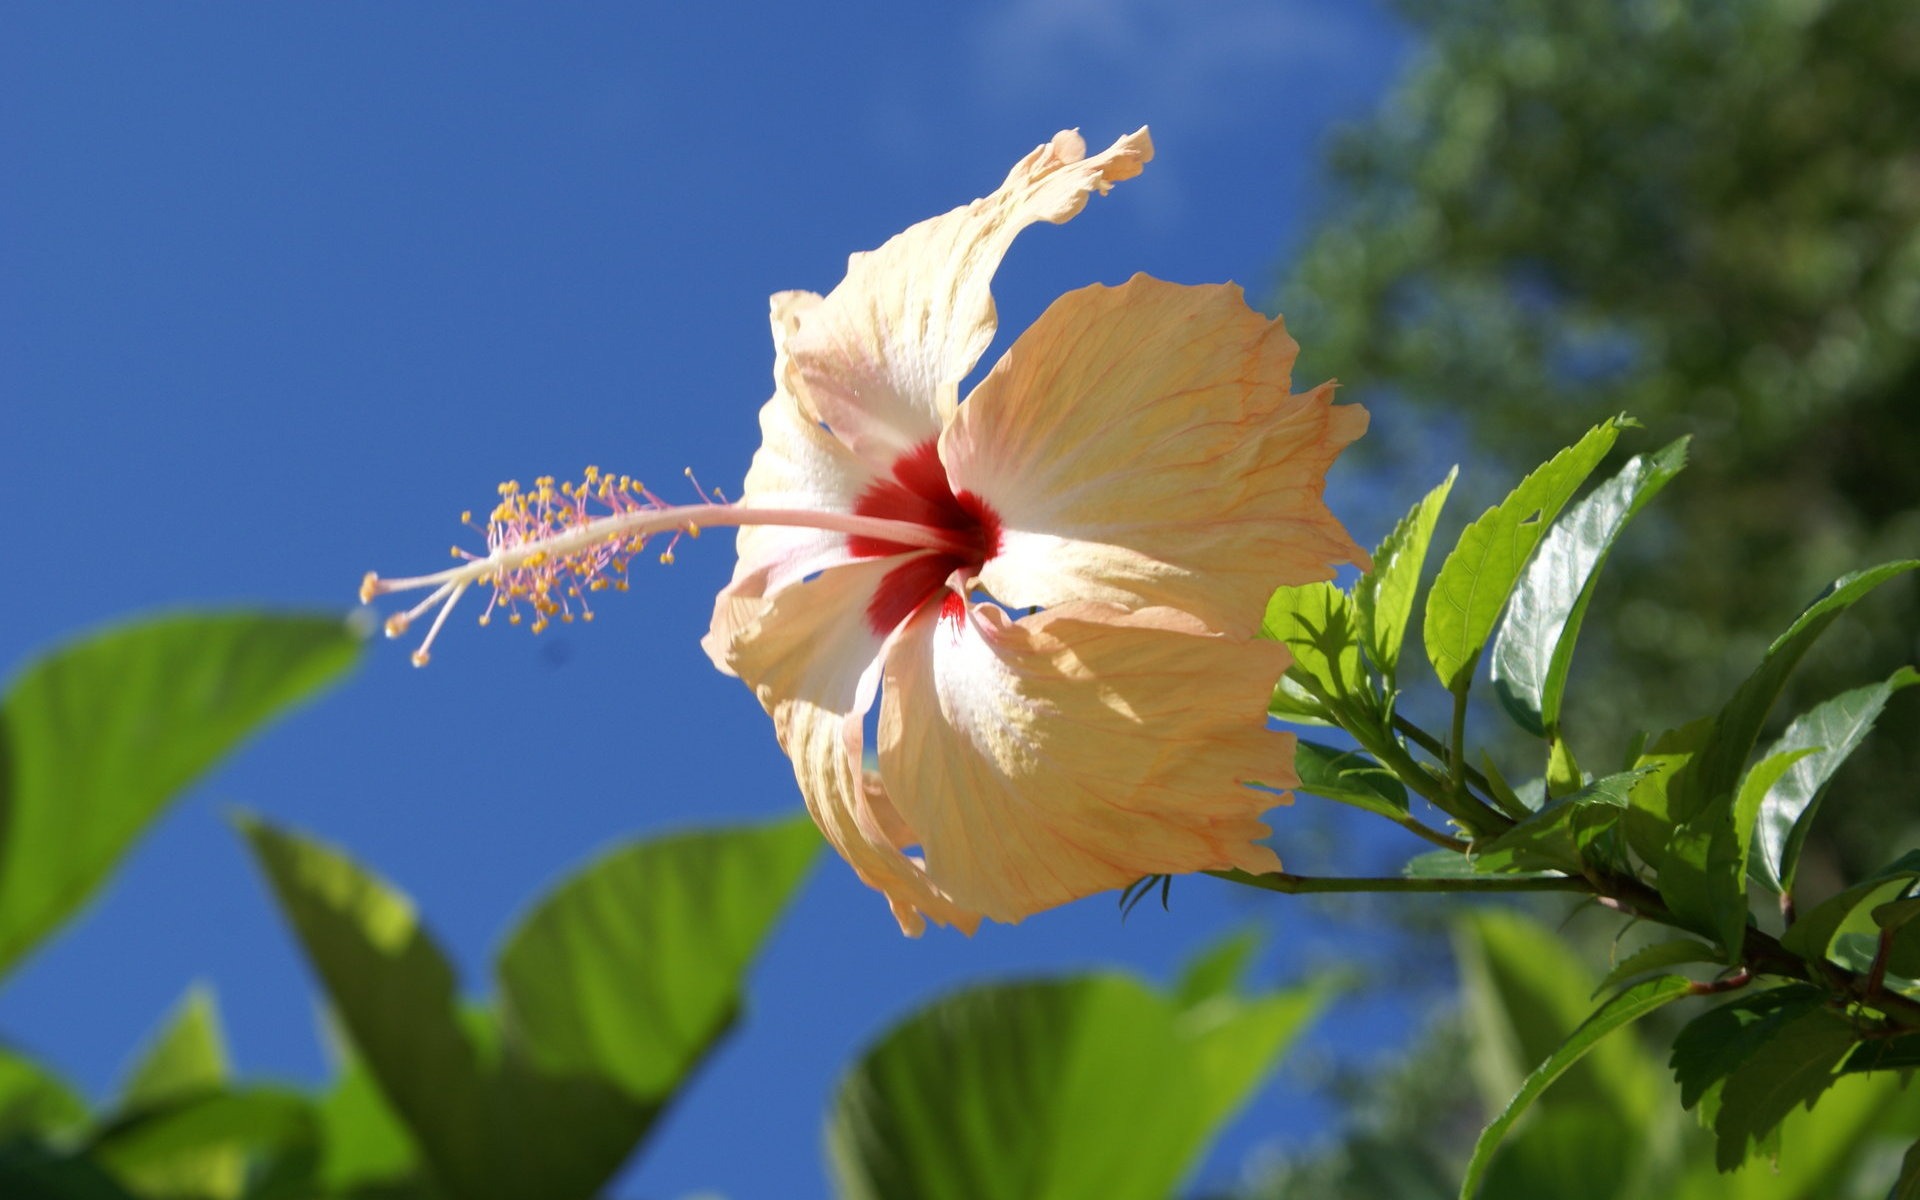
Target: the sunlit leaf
(396, 996)
(1814, 931)
(186, 1059)
(1621, 1010)
(1349, 777)
(1835, 729)
(632, 968)
(1316, 622)
(1477, 577)
(1558, 836)
(612, 991)
(1384, 595)
(1092, 1087)
(1534, 649)
(97, 737)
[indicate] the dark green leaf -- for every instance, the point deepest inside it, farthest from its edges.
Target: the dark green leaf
(1571, 1152)
(1628, 1006)
(35, 1172)
(1316, 622)
(1087, 1087)
(1477, 577)
(1795, 1064)
(1673, 952)
(1384, 595)
(1710, 776)
(1908, 1186)
(1715, 1043)
(632, 969)
(1557, 837)
(1834, 729)
(1349, 777)
(35, 1101)
(1534, 648)
(98, 736)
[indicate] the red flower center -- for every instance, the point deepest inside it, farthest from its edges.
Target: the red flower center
(919, 492)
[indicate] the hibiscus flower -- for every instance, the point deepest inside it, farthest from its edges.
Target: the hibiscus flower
(1134, 475)
(1048, 590)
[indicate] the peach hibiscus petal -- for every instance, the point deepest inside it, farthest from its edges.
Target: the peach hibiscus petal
(880, 359)
(1139, 446)
(1077, 750)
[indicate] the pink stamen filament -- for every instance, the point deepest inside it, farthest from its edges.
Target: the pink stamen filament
(627, 529)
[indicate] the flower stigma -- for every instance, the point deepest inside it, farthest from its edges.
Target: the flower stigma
(551, 546)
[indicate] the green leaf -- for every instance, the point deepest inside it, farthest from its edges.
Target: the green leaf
(1908, 1186)
(1316, 622)
(396, 996)
(614, 989)
(1715, 1043)
(1450, 864)
(632, 969)
(1835, 729)
(1812, 934)
(1558, 836)
(1703, 874)
(36, 1172)
(1086, 1087)
(1673, 952)
(196, 1144)
(1294, 704)
(1623, 1009)
(1573, 1152)
(1534, 649)
(1477, 577)
(1349, 777)
(1797, 1062)
(1384, 595)
(1650, 820)
(364, 1143)
(1711, 775)
(1523, 989)
(187, 1058)
(33, 1100)
(1217, 970)
(98, 736)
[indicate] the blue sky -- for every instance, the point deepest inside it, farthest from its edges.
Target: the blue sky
(284, 288)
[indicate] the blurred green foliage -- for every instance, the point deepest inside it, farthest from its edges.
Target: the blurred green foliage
(1611, 1129)
(1703, 212)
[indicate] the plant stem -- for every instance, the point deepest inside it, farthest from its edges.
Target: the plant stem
(1293, 885)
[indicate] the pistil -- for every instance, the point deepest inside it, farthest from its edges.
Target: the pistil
(547, 550)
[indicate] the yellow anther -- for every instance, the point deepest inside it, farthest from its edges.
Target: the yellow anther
(692, 529)
(397, 624)
(513, 618)
(586, 616)
(667, 558)
(369, 588)
(455, 551)
(486, 619)
(566, 618)
(419, 658)
(466, 516)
